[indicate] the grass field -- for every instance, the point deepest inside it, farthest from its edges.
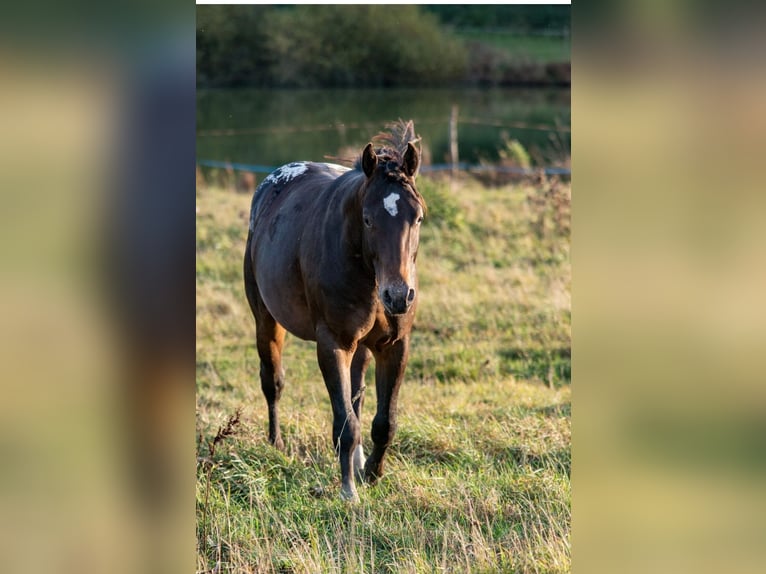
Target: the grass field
(478, 476)
(539, 49)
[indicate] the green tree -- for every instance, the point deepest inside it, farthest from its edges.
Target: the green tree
(313, 46)
(371, 45)
(232, 46)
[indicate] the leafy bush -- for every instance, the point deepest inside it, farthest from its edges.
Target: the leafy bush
(232, 45)
(443, 207)
(363, 45)
(325, 46)
(514, 154)
(370, 45)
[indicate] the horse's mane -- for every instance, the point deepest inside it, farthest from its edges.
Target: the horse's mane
(391, 144)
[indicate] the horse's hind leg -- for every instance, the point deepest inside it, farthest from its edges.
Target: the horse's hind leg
(359, 365)
(270, 338)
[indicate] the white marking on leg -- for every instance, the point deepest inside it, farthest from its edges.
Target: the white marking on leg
(359, 459)
(390, 204)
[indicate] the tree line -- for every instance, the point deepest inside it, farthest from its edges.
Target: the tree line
(363, 45)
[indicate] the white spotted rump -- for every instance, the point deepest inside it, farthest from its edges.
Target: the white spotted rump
(390, 204)
(280, 175)
(287, 172)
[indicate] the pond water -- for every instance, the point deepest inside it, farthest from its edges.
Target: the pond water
(273, 127)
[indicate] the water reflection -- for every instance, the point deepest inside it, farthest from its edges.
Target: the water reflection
(272, 127)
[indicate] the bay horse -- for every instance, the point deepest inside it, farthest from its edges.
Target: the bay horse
(330, 258)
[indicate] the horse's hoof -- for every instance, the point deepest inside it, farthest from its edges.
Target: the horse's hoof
(278, 444)
(349, 494)
(371, 475)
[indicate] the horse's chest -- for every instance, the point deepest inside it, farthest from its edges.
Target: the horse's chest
(349, 312)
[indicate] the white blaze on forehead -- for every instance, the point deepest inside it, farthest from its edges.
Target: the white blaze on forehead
(390, 204)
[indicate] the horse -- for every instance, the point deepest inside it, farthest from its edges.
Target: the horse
(330, 258)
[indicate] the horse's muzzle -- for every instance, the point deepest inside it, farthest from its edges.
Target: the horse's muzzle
(397, 298)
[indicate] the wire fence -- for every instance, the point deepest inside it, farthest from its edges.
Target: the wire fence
(461, 166)
(374, 126)
(453, 166)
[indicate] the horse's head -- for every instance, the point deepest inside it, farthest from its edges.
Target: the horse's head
(392, 211)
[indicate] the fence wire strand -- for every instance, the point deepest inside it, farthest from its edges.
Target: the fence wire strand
(373, 126)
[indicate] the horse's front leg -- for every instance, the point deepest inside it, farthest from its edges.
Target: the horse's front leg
(389, 373)
(335, 364)
(359, 364)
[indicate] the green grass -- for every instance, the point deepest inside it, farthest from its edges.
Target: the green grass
(477, 478)
(540, 49)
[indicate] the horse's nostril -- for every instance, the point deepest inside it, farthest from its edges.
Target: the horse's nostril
(386, 296)
(411, 295)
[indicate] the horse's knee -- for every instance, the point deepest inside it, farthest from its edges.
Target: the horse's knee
(346, 434)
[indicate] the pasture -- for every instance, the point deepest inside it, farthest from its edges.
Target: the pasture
(520, 46)
(478, 475)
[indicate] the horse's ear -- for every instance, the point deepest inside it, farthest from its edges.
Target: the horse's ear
(411, 160)
(369, 160)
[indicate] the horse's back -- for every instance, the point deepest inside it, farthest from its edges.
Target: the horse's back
(297, 178)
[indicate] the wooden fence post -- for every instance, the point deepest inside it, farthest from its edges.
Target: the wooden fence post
(453, 139)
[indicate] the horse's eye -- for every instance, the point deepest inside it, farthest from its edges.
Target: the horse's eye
(367, 221)
(419, 220)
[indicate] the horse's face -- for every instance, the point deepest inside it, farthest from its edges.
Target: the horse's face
(391, 216)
